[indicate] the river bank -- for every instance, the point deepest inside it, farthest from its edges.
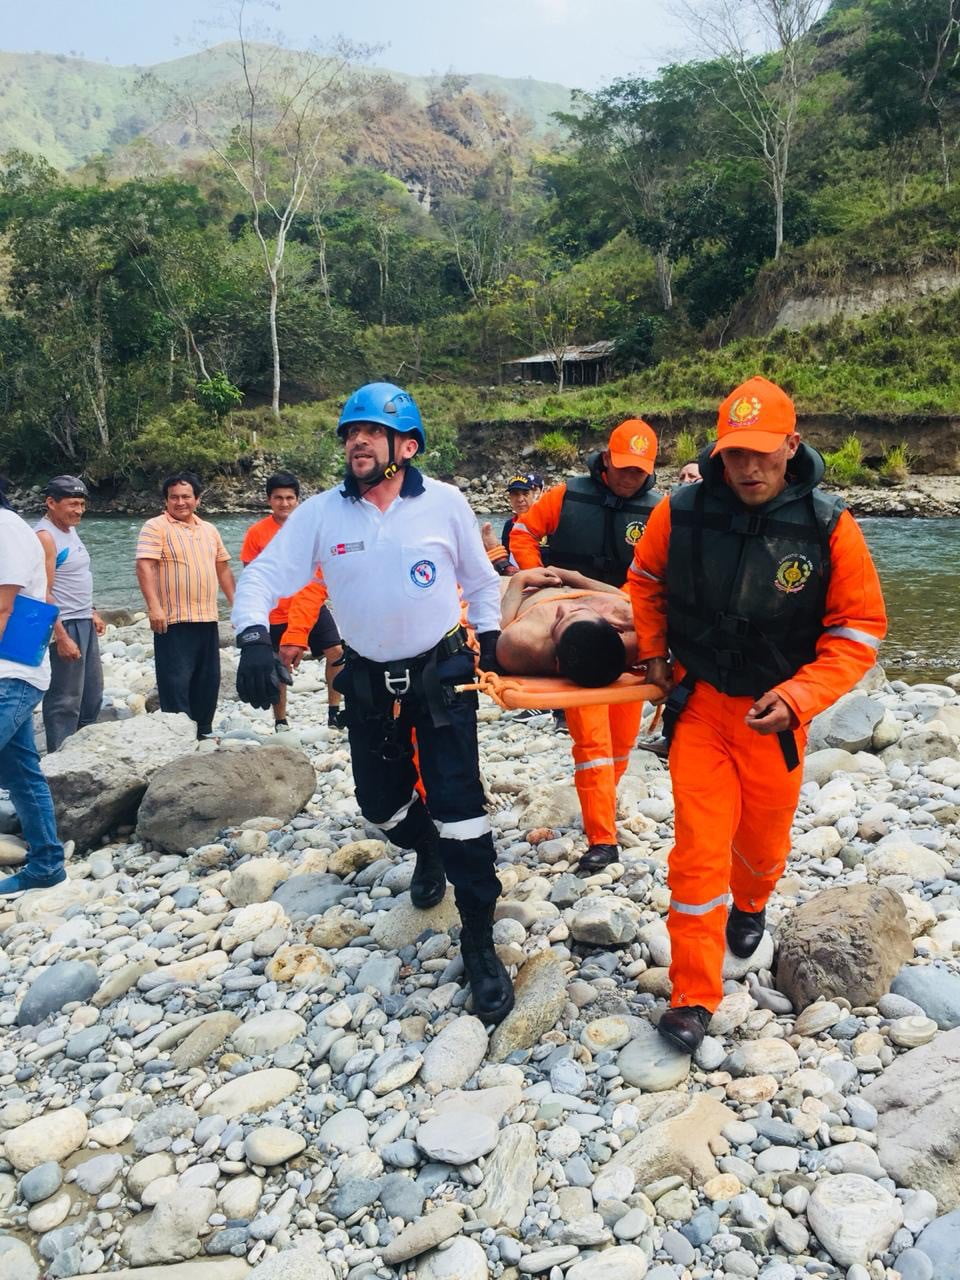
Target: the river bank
(231, 1036)
(920, 495)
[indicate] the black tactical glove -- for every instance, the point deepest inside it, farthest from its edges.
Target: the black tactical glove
(260, 671)
(488, 651)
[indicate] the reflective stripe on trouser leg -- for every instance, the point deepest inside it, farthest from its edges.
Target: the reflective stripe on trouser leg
(769, 795)
(450, 768)
(593, 775)
(707, 812)
(385, 788)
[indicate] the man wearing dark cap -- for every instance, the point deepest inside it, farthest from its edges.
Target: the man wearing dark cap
(523, 489)
(76, 675)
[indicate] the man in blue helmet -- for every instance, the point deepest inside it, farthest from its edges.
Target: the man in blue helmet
(394, 548)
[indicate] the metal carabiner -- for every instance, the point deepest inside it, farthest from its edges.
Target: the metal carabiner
(397, 685)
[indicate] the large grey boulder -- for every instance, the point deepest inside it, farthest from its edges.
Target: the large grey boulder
(99, 775)
(848, 941)
(919, 1126)
(846, 726)
(188, 802)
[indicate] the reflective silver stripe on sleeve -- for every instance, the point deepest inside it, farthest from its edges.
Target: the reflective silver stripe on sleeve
(699, 908)
(518, 525)
(851, 633)
(601, 762)
(399, 816)
(466, 829)
(642, 573)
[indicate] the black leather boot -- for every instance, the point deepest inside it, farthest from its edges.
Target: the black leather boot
(596, 858)
(685, 1027)
(429, 883)
(489, 982)
(744, 931)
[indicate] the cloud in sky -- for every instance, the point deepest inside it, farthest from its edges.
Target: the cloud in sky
(571, 41)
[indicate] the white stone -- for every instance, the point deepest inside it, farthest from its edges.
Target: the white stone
(451, 1058)
(52, 1136)
(853, 1217)
(253, 1092)
(267, 1031)
(457, 1137)
(622, 1262)
(463, 1259)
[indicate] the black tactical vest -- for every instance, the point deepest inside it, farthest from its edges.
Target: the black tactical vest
(598, 530)
(747, 588)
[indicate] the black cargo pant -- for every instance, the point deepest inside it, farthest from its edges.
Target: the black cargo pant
(385, 773)
(187, 660)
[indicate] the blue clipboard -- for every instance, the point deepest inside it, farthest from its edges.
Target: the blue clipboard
(28, 631)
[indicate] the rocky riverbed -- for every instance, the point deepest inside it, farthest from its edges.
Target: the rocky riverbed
(229, 1047)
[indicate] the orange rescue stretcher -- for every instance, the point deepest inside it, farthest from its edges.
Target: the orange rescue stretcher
(549, 693)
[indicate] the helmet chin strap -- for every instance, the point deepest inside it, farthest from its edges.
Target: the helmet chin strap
(386, 472)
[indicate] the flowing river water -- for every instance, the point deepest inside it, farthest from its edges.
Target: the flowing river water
(917, 559)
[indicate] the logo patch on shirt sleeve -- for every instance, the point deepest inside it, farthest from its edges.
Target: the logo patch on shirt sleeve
(423, 573)
(345, 548)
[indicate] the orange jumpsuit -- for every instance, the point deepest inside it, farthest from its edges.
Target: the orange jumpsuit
(298, 611)
(603, 736)
(733, 795)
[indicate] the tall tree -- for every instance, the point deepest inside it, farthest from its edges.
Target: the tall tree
(288, 110)
(907, 75)
(760, 93)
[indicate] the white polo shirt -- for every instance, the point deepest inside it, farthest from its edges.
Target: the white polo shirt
(393, 576)
(22, 565)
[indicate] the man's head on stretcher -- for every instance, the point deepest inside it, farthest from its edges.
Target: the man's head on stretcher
(558, 622)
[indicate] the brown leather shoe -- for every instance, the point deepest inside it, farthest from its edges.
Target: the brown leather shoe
(685, 1027)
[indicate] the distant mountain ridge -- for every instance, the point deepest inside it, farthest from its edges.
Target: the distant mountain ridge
(70, 109)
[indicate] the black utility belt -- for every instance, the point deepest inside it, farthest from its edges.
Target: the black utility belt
(372, 680)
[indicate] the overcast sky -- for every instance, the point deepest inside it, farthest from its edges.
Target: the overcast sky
(580, 43)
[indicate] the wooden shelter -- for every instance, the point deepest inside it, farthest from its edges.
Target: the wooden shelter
(583, 366)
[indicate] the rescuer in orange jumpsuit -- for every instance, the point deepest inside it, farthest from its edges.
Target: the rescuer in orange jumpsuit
(301, 621)
(591, 524)
(762, 589)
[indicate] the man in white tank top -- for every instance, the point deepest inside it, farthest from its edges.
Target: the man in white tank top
(76, 675)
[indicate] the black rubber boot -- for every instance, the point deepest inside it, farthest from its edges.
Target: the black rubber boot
(489, 981)
(596, 858)
(744, 931)
(336, 718)
(685, 1027)
(429, 883)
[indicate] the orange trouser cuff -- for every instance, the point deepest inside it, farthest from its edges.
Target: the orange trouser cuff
(603, 737)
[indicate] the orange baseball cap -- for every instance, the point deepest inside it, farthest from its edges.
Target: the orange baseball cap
(756, 415)
(633, 444)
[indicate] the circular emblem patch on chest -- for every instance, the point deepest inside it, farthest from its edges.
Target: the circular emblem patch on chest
(633, 532)
(423, 573)
(792, 574)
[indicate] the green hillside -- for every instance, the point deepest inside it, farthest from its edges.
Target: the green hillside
(69, 109)
(436, 240)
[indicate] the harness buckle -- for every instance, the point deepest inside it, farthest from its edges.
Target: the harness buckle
(397, 682)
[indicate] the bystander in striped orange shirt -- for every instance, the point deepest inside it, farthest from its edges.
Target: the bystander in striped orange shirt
(189, 552)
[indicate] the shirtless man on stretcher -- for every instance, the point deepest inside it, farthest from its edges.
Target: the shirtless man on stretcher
(558, 622)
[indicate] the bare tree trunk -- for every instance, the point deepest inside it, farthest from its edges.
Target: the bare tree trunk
(274, 344)
(664, 279)
(98, 393)
(778, 215)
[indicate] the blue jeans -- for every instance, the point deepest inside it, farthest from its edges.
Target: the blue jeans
(22, 777)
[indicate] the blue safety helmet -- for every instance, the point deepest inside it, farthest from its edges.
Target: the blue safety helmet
(388, 405)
